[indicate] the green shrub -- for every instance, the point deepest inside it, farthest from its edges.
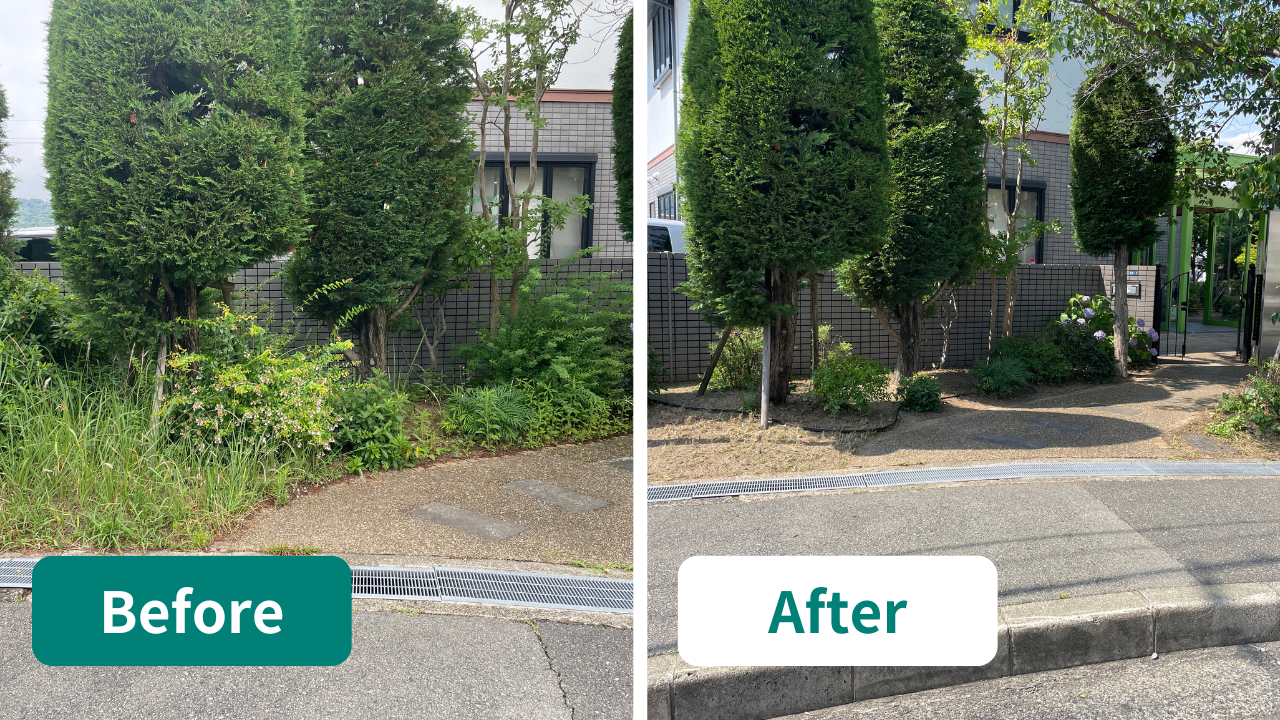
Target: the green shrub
(1090, 356)
(574, 327)
(568, 411)
(1095, 315)
(487, 415)
(246, 386)
(32, 310)
(370, 425)
(1046, 361)
(739, 364)
(1255, 407)
(1002, 377)
(845, 379)
(920, 393)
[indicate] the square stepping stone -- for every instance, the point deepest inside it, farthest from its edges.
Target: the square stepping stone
(1118, 409)
(472, 522)
(556, 495)
(623, 464)
(1204, 443)
(1056, 424)
(1012, 441)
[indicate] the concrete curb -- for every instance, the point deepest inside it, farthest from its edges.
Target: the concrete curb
(1033, 637)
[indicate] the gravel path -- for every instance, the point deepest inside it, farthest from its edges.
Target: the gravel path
(371, 514)
(1152, 415)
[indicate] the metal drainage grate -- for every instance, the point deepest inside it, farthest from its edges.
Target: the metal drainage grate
(927, 476)
(395, 583)
(568, 592)
(16, 572)
(499, 587)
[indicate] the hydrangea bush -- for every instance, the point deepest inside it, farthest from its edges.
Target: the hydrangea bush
(1094, 313)
(246, 387)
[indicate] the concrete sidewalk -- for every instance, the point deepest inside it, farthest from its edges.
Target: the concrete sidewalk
(1047, 538)
(406, 662)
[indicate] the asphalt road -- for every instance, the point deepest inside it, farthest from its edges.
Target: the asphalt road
(1046, 538)
(402, 665)
(1230, 682)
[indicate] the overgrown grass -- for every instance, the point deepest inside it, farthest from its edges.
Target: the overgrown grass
(81, 466)
(286, 550)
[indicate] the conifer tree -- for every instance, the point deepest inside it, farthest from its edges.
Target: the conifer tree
(623, 123)
(390, 181)
(936, 226)
(1123, 166)
(782, 156)
(173, 143)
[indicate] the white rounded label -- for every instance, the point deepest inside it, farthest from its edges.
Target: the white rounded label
(820, 611)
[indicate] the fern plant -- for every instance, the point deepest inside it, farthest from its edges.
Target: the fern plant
(487, 415)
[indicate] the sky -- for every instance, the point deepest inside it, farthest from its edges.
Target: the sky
(22, 74)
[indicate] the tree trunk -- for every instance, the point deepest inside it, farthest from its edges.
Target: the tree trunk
(1010, 299)
(373, 338)
(995, 305)
(785, 290)
(910, 327)
(1120, 306)
(157, 399)
(715, 358)
(187, 307)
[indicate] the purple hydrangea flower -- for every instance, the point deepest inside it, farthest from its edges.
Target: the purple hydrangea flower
(1154, 352)
(1080, 320)
(1151, 333)
(1100, 335)
(1066, 321)
(1089, 313)
(1084, 298)
(1133, 342)
(1142, 323)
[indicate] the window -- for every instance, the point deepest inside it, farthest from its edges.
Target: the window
(560, 176)
(1032, 206)
(653, 210)
(661, 37)
(659, 239)
(668, 209)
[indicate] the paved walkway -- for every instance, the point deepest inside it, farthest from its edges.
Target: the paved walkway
(557, 505)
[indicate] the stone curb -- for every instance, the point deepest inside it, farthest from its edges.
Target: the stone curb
(1033, 637)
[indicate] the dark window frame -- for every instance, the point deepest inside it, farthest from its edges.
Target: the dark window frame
(1034, 186)
(662, 39)
(667, 206)
(547, 162)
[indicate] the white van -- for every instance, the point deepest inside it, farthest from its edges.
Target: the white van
(666, 235)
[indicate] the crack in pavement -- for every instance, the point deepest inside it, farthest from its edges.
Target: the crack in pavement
(564, 694)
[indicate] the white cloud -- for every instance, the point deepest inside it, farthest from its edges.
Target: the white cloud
(1237, 141)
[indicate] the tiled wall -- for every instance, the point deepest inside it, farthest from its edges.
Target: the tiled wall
(679, 337)
(466, 310)
(576, 127)
(665, 171)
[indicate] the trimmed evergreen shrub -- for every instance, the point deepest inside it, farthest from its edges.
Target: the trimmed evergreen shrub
(845, 379)
(1047, 362)
(782, 155)
(623, 124)
(392, 172)
(920, 393)
(173, 145)
(938, 206)
(1091, 358)
(1001, 377)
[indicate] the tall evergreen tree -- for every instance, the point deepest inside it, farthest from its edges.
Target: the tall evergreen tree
(172, 141)
(623, 123)
(1123, 167)
(8, 204)
(782, 155)
(937, 224)
(391, 180)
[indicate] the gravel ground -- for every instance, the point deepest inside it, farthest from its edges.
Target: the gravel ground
(1145, 416)
(370, 514)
